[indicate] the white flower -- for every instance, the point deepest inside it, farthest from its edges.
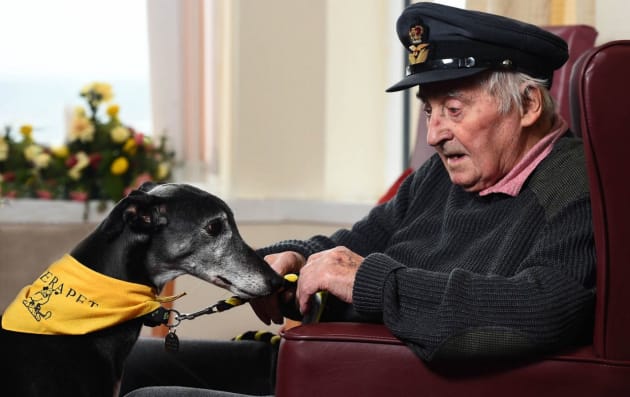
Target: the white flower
(42, 160)
(32, 151)
(119, 134)
(83, 160)
(82, 129)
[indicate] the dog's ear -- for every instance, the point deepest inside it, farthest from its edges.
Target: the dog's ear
(146, 186)
(143, 212)
(140, 210)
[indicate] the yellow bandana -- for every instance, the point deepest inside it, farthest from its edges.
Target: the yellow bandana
(71, 299)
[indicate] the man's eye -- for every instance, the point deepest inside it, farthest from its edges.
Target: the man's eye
(214, 228)
(453, 110)
(427, 111)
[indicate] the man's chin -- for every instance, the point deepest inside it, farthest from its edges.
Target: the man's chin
(465, 184)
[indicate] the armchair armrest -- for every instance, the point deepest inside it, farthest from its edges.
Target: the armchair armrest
(344, 359)
(358, 359)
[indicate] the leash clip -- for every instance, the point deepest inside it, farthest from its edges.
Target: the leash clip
(191, 316)
(177, 319)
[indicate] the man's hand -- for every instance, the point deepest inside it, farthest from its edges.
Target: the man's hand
(267, 308)
(333, 270)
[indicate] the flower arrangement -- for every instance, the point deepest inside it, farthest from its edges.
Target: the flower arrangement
(101, 159)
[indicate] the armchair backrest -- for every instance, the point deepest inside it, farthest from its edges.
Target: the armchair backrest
(600, 108)
(579, 38)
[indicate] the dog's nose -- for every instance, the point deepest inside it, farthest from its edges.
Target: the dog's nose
(276, 282)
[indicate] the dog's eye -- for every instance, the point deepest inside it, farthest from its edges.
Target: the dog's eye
(214, 228)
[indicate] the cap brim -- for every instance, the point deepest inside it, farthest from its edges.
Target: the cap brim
(433, 76)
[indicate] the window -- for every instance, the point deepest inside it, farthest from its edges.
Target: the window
(51, 49)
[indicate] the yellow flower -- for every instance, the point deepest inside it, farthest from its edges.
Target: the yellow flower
(119, 166)
(130, 146)
(162, 171)
(60, 151)
(32, 151)
(112, 110)
(4, 149)
(81, 129)
(119, 134)
(27, 131)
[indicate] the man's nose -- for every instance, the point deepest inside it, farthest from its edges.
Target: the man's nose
(436, 130)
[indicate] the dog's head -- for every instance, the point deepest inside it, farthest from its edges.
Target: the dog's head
(185, 230)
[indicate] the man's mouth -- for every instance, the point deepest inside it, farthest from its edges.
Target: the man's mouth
(453, 158)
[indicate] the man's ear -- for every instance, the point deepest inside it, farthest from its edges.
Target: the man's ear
(532, 105)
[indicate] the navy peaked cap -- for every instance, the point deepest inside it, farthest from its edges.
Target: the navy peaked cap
(447, 43)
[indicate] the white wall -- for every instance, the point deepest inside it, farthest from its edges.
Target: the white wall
(611, 20)
(298, 95)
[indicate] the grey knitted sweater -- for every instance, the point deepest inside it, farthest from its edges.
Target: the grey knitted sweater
(455, 274)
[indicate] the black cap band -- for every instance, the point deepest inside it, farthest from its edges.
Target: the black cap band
(459, 63)
(474, 63)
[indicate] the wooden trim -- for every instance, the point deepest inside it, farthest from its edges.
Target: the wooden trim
(169, 289)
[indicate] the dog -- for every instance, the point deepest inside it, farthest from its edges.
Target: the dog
(153, 235)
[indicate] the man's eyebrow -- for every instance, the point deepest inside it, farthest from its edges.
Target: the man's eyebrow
(454, 93)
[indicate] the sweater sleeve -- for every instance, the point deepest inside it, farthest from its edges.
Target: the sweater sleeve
(368, 235)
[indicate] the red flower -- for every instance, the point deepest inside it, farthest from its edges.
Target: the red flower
(71, 161)
(8, 176)
(140, 179)
(44, 194)
(95, 160)
(139, 138)
(78, 196)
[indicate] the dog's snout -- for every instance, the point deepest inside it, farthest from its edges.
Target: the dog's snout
(276, 283)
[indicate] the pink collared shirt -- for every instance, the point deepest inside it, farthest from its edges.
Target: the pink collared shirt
(512, 182)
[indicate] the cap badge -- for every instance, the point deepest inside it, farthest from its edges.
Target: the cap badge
(419, 50)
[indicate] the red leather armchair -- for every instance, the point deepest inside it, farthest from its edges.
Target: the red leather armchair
(579, 38)
(350, 359)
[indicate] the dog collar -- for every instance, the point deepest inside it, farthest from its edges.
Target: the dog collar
(72, 299)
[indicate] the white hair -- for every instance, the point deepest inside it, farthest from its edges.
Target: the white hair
(512, 90)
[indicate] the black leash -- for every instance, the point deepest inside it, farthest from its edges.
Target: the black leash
(162, 316)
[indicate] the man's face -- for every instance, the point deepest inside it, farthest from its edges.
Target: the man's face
(477, 144)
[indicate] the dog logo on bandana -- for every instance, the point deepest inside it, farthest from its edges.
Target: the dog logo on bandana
(35, 303)
(419, 50)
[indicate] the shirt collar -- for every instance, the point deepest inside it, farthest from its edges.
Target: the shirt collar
(512, 183)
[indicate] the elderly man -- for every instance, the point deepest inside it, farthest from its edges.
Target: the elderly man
(487, 249)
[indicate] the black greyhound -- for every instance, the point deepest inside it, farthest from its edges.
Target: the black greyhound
(153, 235)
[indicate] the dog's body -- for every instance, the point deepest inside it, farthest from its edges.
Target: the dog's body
(152, 236)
